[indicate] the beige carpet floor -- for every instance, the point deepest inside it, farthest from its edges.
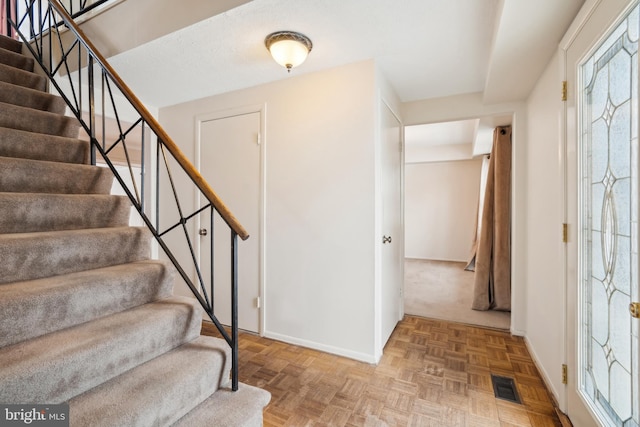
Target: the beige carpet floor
(444, 290)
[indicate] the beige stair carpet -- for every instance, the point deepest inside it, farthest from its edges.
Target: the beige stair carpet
(86, 317)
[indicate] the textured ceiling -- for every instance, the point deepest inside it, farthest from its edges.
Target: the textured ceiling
(426, 48)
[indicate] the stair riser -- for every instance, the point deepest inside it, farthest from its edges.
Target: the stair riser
(37, 146)
(10, 44)
(24, 97)
(23, 78)
(31, 256)
(242, 408)
(29, 212)
(58, 366)
(32, 176)
(16, 60)
(37, 121)
(190, 374)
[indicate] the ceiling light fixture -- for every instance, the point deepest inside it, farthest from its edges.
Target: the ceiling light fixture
(288, 48)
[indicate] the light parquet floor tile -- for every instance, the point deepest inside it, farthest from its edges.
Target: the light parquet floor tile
(433, 373)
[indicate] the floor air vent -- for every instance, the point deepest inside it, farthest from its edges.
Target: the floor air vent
(505, 388)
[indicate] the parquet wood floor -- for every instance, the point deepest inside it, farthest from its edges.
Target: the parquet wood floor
(433, 373)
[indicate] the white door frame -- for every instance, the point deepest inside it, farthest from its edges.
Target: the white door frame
(399, 239)
(261, 235)
(378, 230)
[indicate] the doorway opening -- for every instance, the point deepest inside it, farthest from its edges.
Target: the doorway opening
(445, 169)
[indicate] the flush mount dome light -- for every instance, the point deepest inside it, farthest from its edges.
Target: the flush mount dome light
(288, 48)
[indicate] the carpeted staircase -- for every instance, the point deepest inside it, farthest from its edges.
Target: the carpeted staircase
(85, 316)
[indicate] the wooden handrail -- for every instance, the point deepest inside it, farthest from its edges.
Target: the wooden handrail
(173, 148)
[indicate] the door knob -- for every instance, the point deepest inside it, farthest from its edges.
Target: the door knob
(386, 239)
(202, 232)
(634, 309)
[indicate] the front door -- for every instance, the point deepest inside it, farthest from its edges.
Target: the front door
(602, 213)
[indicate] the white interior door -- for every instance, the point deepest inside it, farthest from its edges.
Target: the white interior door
(230, 162)
(392, 262)
(602, 213)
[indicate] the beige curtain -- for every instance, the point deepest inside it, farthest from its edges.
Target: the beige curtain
(471, 265)
(492, 282)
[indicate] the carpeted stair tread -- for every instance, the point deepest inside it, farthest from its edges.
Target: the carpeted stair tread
(37, 146)
(55, 367)
(16, 60)
(38, 121)
(10, 44)
(38, 176)
(242, 408)
(31, 98)
(24, 78)
(33, 212)
(33, 308)
(28, 256)
(159, 392)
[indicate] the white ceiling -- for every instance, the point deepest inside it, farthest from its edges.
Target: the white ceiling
(447, 133)
(425, 48)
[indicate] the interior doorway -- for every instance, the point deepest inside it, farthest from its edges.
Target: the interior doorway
(444, 165)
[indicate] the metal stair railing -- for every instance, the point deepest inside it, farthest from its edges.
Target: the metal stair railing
(77, 8)
(97, 96)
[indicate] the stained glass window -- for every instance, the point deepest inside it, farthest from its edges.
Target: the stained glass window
(609, 218)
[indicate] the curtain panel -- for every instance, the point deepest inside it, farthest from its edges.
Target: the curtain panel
(471, 265)
(492, 281)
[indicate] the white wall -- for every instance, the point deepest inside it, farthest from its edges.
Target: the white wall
(470, 106)
(116, 189)
(441, 207)
(320, 203)
(544, 272)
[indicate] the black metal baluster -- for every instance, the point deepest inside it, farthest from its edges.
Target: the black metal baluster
(234, 310)
(212, 257)
(142, 167)
(51, 25)
(157, 166)
(8, 11)
(104, 119)
(79, 78)
(92, 111)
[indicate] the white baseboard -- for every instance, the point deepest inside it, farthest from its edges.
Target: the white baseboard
(517, 332)
(543, 373)
(361, 357)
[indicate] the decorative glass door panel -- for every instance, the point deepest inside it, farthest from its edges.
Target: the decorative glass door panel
(609, 225)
